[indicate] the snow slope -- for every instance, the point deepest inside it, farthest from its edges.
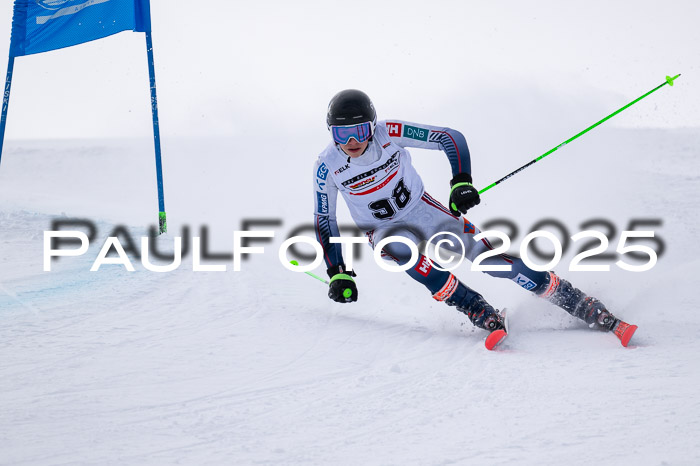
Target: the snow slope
(258, 366)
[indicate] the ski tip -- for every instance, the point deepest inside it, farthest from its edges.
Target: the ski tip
(495, 338)
(624, 332)
(627, 336)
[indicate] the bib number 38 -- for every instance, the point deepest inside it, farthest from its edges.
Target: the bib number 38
(387, 208)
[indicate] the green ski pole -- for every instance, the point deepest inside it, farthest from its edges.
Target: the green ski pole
(346, 293)
(669, 81)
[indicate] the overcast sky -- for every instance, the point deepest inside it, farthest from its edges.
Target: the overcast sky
(229, 68)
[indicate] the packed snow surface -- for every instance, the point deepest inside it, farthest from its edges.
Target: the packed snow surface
(259, 366)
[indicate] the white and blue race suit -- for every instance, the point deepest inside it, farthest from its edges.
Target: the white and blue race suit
(386, 197)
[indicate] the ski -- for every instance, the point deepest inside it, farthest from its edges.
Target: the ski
(624, 332)
(497, 337)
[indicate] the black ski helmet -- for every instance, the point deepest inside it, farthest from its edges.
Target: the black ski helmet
(350, 107)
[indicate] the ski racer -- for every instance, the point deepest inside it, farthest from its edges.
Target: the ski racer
(367, 162)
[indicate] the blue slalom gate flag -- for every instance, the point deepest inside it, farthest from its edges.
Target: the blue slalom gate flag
(43, 25)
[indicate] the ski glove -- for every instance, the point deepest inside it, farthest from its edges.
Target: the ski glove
(342, 287)
(463, 195)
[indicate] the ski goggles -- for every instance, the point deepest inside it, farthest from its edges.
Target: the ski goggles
(360, 132)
